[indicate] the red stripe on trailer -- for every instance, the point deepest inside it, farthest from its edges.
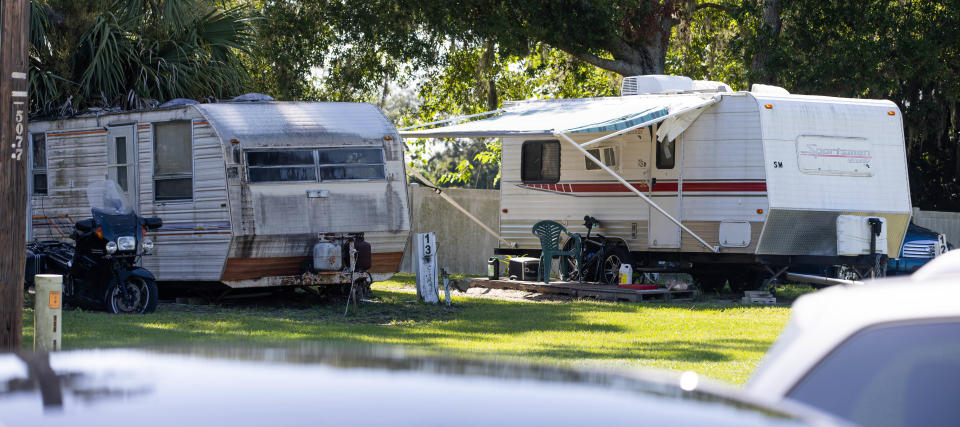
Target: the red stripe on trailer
(660, 187)
(724, 186)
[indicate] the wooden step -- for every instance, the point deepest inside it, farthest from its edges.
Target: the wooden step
(577, 290)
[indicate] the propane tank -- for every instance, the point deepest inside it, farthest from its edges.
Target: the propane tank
(327, 257)
(364, 254)
(626, 274)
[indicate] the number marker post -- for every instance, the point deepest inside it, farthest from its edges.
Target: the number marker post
(425, 251)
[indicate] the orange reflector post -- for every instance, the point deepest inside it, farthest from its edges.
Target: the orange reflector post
(769, 106)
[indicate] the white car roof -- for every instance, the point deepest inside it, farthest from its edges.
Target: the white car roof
(821, 321)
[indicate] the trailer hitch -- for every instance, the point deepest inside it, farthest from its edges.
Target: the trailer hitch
(876, 226)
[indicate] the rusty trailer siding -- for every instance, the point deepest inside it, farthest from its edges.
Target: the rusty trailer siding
(193, 243)
(196, 234)
(231, 230)
(275, 225)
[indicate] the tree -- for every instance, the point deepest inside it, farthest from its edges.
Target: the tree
(471, 81)
(134, 53)
(628, 37)
(710, 44)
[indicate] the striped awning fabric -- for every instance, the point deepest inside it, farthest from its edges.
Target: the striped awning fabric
(622, 122)
(585, 115)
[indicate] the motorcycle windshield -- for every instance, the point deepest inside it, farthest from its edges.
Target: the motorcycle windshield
(112, 214)
(105, 198)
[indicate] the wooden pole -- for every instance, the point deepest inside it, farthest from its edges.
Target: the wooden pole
(14, 107)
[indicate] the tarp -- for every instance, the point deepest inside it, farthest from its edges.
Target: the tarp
(586, 115)
(297, 124)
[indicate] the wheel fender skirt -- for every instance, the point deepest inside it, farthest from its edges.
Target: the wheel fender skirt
(138, 272)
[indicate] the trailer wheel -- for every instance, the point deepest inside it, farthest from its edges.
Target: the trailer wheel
(573, 264)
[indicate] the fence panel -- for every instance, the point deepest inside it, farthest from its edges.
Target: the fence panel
(463, 247)
(942, 222)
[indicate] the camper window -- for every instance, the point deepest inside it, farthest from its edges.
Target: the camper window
(351, 163)
(609, 157)
(666, 154)
(540, 162)
(173, 160)
(281, 166)
(39, 163)
(325, 164)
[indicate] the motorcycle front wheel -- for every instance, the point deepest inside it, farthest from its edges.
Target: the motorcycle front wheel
(140, 298)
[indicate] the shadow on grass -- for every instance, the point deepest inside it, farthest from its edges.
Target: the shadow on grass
(473, 327)
(672, 350)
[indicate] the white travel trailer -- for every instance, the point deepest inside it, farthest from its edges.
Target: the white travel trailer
(690, 176)
(245, 189)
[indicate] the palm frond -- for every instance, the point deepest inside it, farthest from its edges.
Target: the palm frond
(104, 52)
(39, 24)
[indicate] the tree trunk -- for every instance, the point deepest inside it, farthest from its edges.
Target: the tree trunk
(629, 60)
(493, 98)
(14, 106)
(769, 33)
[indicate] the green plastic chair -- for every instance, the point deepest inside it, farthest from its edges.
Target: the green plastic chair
(549, 233)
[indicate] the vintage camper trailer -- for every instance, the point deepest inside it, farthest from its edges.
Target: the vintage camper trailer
(690, 176)
(245, 189)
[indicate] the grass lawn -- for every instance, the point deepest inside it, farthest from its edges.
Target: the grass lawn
(722, 341)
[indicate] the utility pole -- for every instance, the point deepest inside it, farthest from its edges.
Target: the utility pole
(14, 106)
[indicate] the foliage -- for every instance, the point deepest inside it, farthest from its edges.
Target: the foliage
(472, 81)
(625, 36)
(709, 45)
(470, 57)
(134, 53)
(723, 342)
(464, 163)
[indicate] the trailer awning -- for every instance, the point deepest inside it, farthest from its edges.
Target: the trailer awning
(589, 115)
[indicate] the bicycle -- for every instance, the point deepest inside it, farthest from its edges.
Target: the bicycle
(600, 257)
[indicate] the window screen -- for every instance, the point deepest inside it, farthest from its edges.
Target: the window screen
(120, 151)
(607, 155)
(39, 163)
(351, 163)
(311, 165)
(890, 375)
(610, 157)
(173, 161)
(666, 154)
(591, 165)
(540, 162)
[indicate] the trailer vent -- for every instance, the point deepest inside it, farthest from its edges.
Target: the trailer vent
(629, 86)
(638, 85)
(252, 97)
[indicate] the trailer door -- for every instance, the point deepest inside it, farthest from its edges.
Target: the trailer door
(122, 161)
(664, 191)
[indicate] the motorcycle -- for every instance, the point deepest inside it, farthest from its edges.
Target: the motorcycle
(103, 269)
